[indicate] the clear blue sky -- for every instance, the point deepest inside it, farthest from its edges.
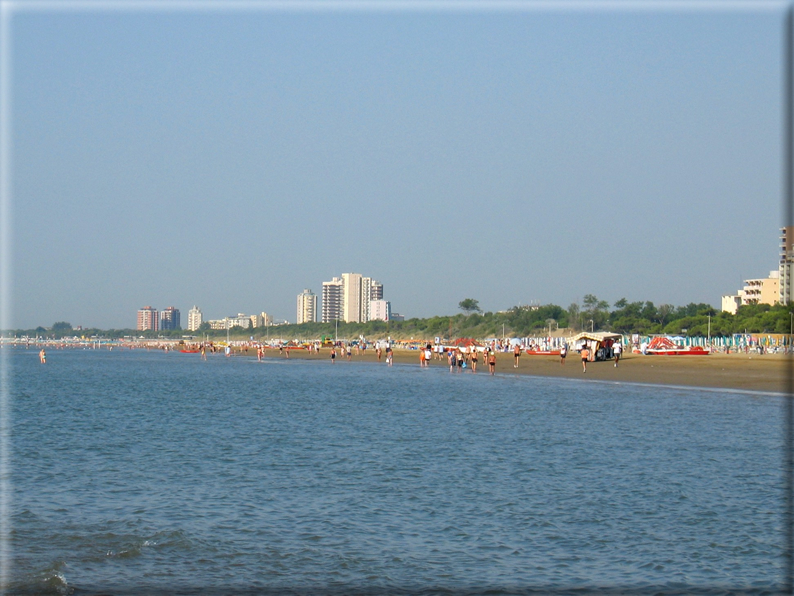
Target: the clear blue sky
(230, 159)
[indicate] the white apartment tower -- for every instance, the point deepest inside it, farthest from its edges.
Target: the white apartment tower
(332, 300)
(194, 318)
(307, 307)
(366, 292)
(786, 267)
(351, 297)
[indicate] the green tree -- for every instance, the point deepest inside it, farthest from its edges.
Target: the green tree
(62, 326)
(469, 305)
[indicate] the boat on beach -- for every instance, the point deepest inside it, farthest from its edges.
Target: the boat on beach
(665, 346)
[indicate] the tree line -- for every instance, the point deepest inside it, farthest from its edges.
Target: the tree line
(644, 318)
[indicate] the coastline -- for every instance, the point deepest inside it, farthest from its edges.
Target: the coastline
(747, 372)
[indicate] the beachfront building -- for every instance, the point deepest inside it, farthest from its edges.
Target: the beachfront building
(376, 291)
(148, 319)
(170, 319)
(351, 297)
(731, 303)
(379, 310)
(241, 320)
(307, 307)
(762, 291)
(261, 320)
(332, 300)
(194, 318)
(370, 290)
(786, 266)
(217, 324)
(755, 291)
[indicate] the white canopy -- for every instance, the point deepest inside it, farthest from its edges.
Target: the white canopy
(599, 336)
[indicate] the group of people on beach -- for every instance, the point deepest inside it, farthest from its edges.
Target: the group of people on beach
(459, 358)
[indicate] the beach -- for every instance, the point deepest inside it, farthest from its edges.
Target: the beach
(747, 372)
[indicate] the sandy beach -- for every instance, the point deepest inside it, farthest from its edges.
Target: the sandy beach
(753, 372)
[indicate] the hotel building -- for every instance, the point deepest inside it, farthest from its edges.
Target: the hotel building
(380, 310)
(169, 319)
(755, 291)
(332, 300)
(194, 318)
(350, 298)
(148, 319)
(786, 266)
(307, 307)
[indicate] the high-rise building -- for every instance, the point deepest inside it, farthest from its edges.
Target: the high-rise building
(379, 310)
(307, 307)
(169, 319)
(332, 300)
(351, 297)
(370, 290)
(376, 291)
(366, 290)
(194, 318)
(147, 319)
(348, 299)
(786, 267)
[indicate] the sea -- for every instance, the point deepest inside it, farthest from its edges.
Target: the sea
(144, 472)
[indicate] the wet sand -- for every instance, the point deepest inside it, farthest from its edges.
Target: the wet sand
(754, 372)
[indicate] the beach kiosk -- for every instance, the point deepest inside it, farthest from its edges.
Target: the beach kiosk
(600, 343)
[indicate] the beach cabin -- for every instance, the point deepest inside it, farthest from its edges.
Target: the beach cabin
(600, 343)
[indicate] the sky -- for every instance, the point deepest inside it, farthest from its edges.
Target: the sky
(231, 158)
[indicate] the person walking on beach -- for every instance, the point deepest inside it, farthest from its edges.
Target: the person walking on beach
(585, 356)
(43, 356)
(491, 361)
(451, 359)
(473, 359)
(616, 350)
(349, 353)
(563, 354)
(459, 357)
(333, 354)
(516, 354)
(389, 355)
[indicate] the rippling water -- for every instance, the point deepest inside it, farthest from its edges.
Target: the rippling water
(143, 472)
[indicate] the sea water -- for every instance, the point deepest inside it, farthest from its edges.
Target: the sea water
(143, 472)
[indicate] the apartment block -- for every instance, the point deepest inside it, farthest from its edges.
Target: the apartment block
(194, 318)
(170, 319)
(148, 319)
(307, 307)
(332, 300)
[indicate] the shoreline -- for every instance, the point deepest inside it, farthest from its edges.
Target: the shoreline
(768, 373)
